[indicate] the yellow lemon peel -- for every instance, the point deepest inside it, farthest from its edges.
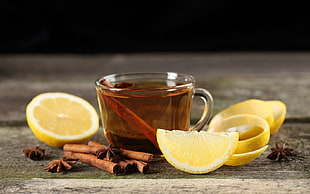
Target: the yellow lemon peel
(279, 113)
(241, 159)
(255, 141)
(256, 107)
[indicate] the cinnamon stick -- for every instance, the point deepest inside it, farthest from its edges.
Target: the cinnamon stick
(96, 144)
(142, 167)
(81, 148)
(137, 155)
(147, 157)
(90, 159)
(130, 116)
(106, 83)
(128, 167)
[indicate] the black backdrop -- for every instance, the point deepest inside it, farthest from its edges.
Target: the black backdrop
(88, 27)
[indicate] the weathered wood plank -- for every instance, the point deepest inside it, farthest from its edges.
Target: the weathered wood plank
(226, 91)
(292, 89)
(207, 185)
(230, 77)
(198, 64)
(14, 165)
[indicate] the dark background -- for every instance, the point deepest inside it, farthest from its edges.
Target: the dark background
(182, 26)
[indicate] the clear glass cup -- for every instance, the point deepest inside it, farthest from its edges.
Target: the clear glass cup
(134, 105)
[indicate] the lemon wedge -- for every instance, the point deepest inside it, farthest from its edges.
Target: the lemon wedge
(58, 118)
(279, 112)
(256, 107)
(241, 159)
(196, 152)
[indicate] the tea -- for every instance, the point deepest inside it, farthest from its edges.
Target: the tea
(160, 103)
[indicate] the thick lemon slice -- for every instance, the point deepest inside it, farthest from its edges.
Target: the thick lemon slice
(258, 134)
(256, 107)
(60, 118)
(241, 159)
(279, 112)
(196, 152)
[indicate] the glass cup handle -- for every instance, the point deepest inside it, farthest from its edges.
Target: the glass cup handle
(208, 108)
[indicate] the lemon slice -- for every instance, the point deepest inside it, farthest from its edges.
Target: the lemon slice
(259, 134)
(60, 118)
(279, 112)
(256, 107)
(196, 152)
(241, 159)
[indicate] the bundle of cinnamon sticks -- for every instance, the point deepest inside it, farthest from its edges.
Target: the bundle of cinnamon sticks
(109, 158)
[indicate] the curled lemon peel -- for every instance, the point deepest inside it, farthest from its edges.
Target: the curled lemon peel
(254, 141)
(279, 113)
(256, 107)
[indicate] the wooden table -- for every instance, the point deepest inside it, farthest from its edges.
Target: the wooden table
(230, 77)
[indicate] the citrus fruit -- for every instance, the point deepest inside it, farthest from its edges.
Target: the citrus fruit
(279, 112)
(241, 159)
(256, 107)
(58, 118)
(258, 134)
(196, 152)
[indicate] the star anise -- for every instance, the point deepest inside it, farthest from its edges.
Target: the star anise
(111, 153)
(36, 153)
(280, 153)
(60, 165)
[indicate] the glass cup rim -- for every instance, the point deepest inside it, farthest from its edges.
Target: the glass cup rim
(190, 80)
